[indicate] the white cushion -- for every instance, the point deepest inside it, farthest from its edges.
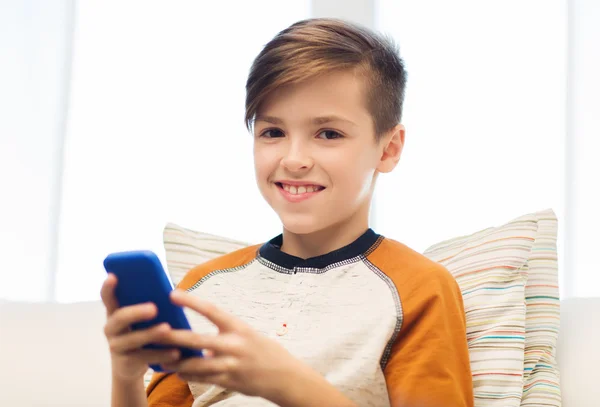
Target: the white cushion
(579, 353)
(53, 355)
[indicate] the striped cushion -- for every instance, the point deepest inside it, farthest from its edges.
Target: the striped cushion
(541, 374)
(185, 249)
(490, 268)
(508, 278)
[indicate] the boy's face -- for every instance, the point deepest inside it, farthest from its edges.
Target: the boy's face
(315, 153)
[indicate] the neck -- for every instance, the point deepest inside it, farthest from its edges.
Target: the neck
(325, 240)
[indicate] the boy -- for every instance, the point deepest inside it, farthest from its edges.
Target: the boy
(329, 313)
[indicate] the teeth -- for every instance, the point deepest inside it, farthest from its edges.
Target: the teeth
(302, 189)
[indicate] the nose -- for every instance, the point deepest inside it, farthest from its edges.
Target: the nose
(297, 157)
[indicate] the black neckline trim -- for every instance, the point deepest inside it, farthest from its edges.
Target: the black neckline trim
(271, 251)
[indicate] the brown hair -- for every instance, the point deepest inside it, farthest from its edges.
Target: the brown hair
(315, 46)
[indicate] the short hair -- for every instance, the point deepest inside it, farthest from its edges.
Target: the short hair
(316, 46)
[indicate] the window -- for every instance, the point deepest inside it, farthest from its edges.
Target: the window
(156, 131)
(484, 113)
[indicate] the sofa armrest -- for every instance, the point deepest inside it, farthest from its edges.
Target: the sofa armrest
(578, 352)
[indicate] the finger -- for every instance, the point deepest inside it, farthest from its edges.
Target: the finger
(122, 318)
(203, 366)
(136, 339)
(107, 293)
(157, 357)
(223, 320)
(229, 344)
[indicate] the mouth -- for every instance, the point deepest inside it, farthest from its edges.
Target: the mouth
(298, 192)
(299, 189)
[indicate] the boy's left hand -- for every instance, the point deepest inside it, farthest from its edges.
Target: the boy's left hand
(238, 358)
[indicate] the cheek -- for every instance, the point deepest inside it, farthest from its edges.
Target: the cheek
(353, 176)
(360, 183)
(264, 162)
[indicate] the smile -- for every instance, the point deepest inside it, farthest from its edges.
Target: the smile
(298, 192)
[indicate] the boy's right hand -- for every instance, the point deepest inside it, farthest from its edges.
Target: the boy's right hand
(129, 361)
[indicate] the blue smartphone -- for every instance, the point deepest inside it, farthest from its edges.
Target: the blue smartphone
(141, 278)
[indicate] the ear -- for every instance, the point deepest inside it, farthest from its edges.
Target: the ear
(393, 143)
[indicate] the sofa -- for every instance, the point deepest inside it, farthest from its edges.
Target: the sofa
(55, 354)
(526, 345)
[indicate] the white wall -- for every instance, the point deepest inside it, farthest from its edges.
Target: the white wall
(484, 113)
(359, 11)
(34, 68)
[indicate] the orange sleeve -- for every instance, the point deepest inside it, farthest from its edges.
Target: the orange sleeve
(168, 390)
(429, 363)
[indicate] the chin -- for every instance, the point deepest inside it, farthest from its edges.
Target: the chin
(302, 225)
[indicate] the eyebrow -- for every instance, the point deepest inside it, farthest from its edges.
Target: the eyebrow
(268, 119)
(317, 120)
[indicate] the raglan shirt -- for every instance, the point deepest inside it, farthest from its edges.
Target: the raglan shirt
(381, 322)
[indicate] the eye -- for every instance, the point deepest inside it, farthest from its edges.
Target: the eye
(329, 135)
(272, 133)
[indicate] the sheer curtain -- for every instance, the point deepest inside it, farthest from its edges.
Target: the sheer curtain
(484, 113)
(502, 119)
(501, 115)
(156, 130)
(582, 276)
(35, 41)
